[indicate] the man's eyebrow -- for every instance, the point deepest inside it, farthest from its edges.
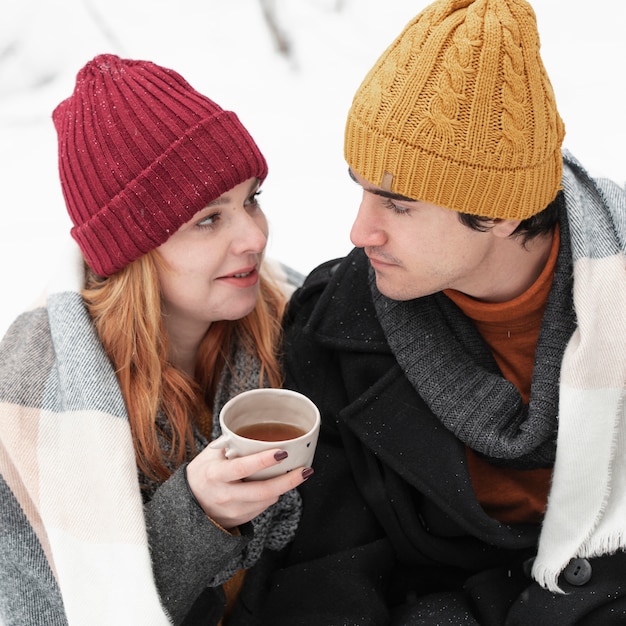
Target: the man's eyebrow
(381, 192)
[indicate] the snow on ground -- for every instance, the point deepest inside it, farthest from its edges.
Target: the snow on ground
(294, 107)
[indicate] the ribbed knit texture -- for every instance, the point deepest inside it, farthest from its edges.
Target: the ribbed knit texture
(452, 368)
(459, 112)
(140, 152)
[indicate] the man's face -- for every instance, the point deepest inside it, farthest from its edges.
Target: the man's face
(417, 248)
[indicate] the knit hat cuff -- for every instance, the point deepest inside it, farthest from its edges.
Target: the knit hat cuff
(175, 186)
(487, 191)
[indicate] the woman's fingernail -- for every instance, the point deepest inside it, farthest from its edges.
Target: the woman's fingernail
(281, 455)
(307, 472)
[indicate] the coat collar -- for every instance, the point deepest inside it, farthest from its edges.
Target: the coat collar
(344, 317)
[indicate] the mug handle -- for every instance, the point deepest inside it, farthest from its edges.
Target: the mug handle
(221, 442)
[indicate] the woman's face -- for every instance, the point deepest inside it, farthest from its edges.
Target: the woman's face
(212, 262)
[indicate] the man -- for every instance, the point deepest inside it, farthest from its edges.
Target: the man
(468, 356)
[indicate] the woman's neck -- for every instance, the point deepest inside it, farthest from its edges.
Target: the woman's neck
(184, 342)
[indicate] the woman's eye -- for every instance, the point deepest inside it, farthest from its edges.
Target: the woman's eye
(254, 198)
(209, 221)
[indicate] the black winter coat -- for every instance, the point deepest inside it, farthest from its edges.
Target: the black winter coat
(392, 532)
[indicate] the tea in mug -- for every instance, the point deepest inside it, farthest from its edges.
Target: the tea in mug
(270, 431)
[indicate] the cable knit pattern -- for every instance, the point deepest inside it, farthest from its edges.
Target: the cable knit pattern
(459, 112)
(513, 93)
(440, 127)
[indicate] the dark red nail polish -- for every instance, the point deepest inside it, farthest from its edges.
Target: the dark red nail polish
(307, 472)
(281, 455)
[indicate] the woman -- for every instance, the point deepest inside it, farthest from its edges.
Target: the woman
(113, 509)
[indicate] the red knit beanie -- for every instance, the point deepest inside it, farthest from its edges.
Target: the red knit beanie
(140, 152)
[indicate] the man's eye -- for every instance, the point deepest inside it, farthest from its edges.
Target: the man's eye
(395, 208)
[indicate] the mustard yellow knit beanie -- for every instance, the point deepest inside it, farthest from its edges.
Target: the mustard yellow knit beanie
(459, 112)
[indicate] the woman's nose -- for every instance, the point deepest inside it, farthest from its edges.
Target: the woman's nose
(251, 235)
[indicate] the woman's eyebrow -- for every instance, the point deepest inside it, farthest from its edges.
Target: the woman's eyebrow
(221, 200)
(255, 185)
(225, 199)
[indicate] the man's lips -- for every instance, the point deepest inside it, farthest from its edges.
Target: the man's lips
(376, 262)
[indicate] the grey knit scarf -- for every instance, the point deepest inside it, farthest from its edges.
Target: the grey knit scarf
(452, 369)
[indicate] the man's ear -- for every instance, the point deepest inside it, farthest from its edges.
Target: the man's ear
(504, 228)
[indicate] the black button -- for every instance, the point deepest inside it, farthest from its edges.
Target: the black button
(578, 572)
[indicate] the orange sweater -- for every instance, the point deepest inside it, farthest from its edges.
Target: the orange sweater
(511, 330)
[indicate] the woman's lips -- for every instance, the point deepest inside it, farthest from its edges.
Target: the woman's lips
(246, 277)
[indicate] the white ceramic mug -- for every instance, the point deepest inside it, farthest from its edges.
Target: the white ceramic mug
(261, 419)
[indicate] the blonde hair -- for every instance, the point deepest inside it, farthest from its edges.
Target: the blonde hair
(126, 310)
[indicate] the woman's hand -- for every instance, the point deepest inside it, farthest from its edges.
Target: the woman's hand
(218, 485)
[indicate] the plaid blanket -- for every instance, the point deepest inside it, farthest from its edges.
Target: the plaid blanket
(72, 509)
(73, 540)
(586, 514)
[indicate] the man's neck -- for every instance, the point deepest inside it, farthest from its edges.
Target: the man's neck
(512, 269)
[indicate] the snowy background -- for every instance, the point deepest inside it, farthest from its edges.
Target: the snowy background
(294, 103)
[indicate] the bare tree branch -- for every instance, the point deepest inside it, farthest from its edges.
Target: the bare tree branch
(280, 39)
